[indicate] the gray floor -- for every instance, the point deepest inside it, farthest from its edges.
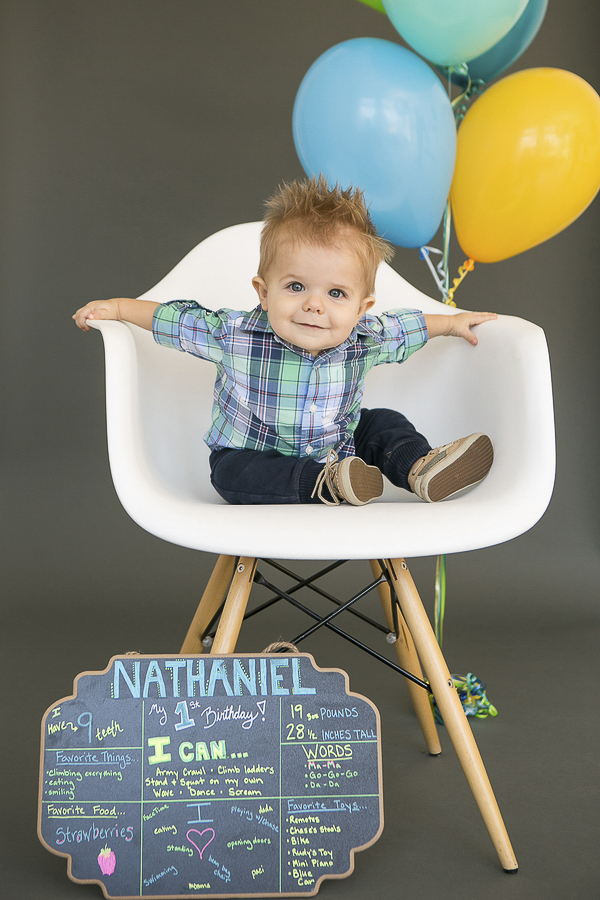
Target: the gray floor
(133, 129)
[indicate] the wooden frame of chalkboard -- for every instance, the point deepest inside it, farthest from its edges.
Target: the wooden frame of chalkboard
(222, 776)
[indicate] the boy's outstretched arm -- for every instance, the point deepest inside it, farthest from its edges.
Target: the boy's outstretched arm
(123, 309)
(458, 325)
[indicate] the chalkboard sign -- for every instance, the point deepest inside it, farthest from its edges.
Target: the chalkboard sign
(210, 776)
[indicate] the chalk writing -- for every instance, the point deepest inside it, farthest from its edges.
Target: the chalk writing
(211, 678)
(201, 839)
(235, 775)
(109, 731)
(160, 711)
(171, 870)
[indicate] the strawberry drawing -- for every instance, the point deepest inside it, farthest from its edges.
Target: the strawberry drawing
(107, 861)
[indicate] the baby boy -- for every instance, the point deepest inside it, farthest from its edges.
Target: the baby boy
(288, 424)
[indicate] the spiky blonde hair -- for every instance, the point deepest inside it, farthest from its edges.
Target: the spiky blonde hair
(312, 212)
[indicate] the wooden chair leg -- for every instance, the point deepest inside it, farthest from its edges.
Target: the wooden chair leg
(451, 709)
(409, 660)
(209, 604)
(235, 606)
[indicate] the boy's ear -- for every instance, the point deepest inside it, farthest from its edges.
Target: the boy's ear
(366, 305)
(260, 286)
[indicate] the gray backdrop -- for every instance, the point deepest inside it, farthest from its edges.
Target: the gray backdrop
(131, 130)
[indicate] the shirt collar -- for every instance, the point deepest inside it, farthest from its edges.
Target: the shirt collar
(365, 329)
(257, 320)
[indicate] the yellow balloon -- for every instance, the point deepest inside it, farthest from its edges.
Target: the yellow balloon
(527, 163)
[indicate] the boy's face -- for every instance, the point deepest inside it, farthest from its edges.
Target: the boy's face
(314, 295)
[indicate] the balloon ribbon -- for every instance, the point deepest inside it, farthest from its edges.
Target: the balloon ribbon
(439, 273)
(466, 267)
(461, 103)
(470, 690)
(472, 696)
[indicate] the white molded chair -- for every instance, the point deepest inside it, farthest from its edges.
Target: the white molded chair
(158, 409)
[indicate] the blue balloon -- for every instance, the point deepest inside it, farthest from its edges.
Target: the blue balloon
(449, 32)
(371, 114)
(508, 49)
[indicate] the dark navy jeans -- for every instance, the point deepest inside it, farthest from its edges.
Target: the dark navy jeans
(383, 438)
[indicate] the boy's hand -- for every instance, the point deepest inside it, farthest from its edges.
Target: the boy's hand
(123, 309)
(458, 325)
(97, 309)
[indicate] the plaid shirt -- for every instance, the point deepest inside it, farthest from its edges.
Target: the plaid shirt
(271, 395)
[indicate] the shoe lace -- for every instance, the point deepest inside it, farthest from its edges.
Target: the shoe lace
(326, 479)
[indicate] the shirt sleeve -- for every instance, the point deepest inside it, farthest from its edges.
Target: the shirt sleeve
(400, 333)
(187, 326)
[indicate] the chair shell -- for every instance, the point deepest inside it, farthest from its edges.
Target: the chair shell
(159, 403)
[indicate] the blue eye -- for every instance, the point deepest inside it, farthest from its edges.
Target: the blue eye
(336, 293)
(296, 286)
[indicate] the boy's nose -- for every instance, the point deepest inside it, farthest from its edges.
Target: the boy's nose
(313, 302)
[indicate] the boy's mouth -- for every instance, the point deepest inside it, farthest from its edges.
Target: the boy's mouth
(309, 325)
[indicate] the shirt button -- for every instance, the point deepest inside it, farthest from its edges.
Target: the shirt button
(313, 408)
(308, 450)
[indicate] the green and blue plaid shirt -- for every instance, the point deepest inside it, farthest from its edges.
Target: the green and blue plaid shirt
(271, 395)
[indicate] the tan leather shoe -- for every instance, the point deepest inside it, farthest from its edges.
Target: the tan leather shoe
(349, 479)
(452, 468)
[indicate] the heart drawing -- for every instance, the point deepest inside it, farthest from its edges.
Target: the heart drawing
(200, 835)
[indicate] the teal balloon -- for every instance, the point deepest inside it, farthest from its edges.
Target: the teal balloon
(448, 32)
(505, 52)
(370, 114)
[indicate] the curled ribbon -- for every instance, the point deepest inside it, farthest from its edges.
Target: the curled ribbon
(461, 103)
(440, 275)
(466, 267)
(439, 271)
(473, 697)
